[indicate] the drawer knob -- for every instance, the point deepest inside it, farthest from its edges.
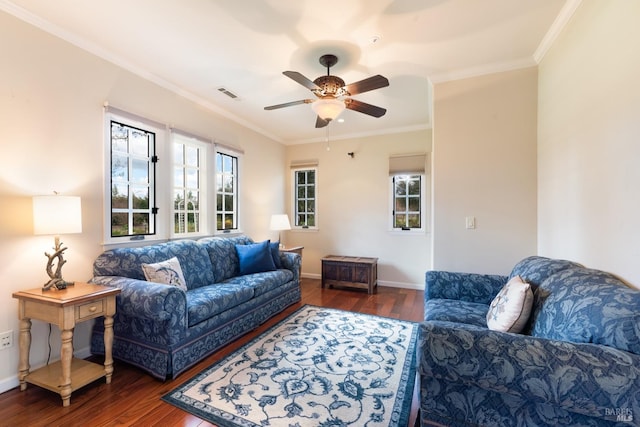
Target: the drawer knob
(93, 308)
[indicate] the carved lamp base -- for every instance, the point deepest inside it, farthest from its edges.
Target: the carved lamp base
(56, 281)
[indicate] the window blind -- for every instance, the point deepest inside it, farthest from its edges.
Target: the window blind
(407, 164)
(296, 164)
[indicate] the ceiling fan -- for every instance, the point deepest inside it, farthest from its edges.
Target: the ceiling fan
(333, 96)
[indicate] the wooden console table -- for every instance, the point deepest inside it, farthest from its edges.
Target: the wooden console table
(65, 308)
(360, 272)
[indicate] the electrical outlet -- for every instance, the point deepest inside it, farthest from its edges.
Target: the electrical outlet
(6, 340)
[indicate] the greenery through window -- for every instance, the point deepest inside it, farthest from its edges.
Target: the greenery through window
(407, 201)
(226, 192)
(133, 210)
(305, 198)
(188, 196)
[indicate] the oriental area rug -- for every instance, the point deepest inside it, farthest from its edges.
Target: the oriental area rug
(318, 367)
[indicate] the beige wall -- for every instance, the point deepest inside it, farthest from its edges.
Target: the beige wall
(589, 140)
(51, 138)
(484, 165)
(353, 212)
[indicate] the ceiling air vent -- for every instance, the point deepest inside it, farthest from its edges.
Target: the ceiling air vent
(228, 93)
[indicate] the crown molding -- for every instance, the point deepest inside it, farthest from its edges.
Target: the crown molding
(556, 28)
(549, 38)
(108, 56)
(482, 70)
(332, 138)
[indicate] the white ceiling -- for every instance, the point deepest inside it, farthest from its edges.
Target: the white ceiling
(196, 46)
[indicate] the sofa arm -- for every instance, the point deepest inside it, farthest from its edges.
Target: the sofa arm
(147, 300)
(588, 379)
(292, 261)
(472, 287)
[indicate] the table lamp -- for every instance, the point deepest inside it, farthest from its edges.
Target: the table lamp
(56, 215)
(280, 222)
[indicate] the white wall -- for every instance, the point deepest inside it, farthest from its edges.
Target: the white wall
(484, 165)
(51, 138)
(589, 140)
(353, 211)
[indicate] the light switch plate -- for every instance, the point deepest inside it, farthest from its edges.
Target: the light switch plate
(470, 222)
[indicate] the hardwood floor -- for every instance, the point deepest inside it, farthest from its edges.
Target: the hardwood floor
(133, 397)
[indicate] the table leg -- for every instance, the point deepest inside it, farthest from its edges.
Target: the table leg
(24, 341)
(66, 354)
(108, 346)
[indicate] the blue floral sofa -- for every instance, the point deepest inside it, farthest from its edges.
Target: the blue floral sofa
(164, 329)
(577, 363)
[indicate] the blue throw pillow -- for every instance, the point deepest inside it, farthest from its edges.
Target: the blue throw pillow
(275, 253)
(255, 258)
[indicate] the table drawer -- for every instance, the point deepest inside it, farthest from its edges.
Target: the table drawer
(91, 309)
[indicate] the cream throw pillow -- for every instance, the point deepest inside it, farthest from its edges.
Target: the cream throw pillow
(510, 309)
(168, 272)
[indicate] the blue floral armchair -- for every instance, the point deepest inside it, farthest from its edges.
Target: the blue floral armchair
(576, 364)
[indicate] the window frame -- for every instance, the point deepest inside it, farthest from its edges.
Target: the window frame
(237, 185)
(156, 202)
(203, 148)
(423, 204)
(294, 201)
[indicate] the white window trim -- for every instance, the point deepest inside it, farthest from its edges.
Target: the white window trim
(161, 176)
(204, 160)
(294, 192)
(423, 206)
(230, 151)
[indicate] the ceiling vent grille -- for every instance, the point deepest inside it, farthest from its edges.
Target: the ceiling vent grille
(228, 93)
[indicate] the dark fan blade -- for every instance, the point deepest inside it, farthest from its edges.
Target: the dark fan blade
(363, 107)
(296, 76)
(320, 123)
(289, 104)
(375, 82)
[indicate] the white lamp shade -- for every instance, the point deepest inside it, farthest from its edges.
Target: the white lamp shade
(328, 109)
(280, 222)
(57, 215)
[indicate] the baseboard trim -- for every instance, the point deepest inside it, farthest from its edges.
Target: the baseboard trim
(403, 285)
(7, 384)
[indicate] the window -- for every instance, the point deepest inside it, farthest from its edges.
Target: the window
(408, 174)
(161, 184)
(407, 202)
(226, 192)
(189, 191)
(132, 161)
(305, 198)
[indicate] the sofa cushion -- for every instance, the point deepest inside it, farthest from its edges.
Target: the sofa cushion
(535, 269)
(510, 309)
(255, 258)
(223, 256)
(275, 252)
(207, 301)
(588, 306)
(167, 272)
(450, 310)
(263, 282)
(127, 262)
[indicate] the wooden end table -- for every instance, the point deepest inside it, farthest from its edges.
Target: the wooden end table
(351, 271)
(293, 250)
(65, 308)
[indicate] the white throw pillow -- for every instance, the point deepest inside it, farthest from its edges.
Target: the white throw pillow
(168, 272)
(510, 309)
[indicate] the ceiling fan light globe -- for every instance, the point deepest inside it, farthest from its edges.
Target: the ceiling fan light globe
(328, 109)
